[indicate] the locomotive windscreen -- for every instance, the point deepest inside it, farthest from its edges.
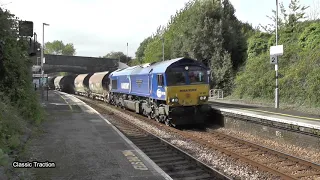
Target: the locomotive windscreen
(190, 75)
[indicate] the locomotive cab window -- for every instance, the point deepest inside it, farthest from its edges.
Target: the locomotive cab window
(114, 84)
(176, 77)
(197, 77)
(160, 80)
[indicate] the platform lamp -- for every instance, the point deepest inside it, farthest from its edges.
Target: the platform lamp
(42, 51)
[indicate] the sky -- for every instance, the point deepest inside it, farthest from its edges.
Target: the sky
(97, 27)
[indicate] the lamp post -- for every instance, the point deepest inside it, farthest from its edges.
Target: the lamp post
(276, 65)
(162, 48)
(42, 52)
(127, 52)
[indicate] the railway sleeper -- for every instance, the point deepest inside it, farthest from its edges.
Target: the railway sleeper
(169, 159)
(306, 174)
(202, 176)
(295, 169)
(175, 163)
(184, 173)
(175, 168)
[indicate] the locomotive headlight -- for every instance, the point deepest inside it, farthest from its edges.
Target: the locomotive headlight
(174, 100)
(201, 98)
(204, 97)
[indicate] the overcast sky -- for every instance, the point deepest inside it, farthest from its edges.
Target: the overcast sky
(96, 27)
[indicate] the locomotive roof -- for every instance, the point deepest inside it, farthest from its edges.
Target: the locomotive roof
(158, 67)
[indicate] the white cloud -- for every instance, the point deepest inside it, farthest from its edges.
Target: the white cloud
(96, 27)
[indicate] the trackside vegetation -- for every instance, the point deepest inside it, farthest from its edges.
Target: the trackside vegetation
(238, 54)
(19, 104)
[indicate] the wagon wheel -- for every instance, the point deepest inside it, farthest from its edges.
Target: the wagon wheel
(157, 118)
(152, 115)
(169, 123)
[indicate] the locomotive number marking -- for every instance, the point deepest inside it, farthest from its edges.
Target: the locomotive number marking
(134, 160)
(188, 90)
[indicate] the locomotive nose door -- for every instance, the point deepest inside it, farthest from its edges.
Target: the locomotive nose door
(150, 82)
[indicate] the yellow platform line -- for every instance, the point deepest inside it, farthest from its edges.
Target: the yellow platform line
(65, 101)
(288, 115)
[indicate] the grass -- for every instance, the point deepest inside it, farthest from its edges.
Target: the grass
(15, 131)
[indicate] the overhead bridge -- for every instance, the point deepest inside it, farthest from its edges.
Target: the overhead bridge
(76, 64)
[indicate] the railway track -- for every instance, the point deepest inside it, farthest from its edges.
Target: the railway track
(281, 165)
(172, 160)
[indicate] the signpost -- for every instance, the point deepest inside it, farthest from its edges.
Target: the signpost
(276, 51)
(273, 59)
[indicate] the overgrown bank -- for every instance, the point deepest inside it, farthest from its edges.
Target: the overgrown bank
(20, 109)
(238, 54)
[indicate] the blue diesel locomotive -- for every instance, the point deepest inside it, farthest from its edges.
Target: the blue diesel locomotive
(174, 91)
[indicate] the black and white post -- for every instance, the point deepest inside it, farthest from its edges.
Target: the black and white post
(276, 65)
(275, 52)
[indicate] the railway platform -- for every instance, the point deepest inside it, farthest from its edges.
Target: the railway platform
(289, 119)
(83, 144)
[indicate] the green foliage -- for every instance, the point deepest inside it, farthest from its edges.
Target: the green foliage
(59, 48)
(141, 49)
(238, 54)
(4, 158)
(19, 104)
(11, 126)
(310, 37)
(258, 44)
(206, 31)
(299, 65)
(118, 55)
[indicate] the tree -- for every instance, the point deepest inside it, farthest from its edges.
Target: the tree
(142, 47)
(118, 55)
(15, 65)
(69, 50)
(59, 48)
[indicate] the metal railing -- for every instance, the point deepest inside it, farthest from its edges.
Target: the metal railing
(216, 94)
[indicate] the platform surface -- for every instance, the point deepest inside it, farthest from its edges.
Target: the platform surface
(268, 113)
(83, 145)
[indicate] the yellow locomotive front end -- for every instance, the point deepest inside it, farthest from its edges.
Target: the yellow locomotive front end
(187, 94)
(191, 95)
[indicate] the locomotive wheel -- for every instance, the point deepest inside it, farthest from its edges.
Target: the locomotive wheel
(167, 122)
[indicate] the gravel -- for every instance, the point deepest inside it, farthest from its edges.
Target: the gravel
(309, 154)
(229, 166)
